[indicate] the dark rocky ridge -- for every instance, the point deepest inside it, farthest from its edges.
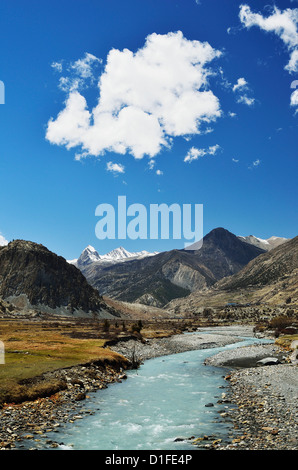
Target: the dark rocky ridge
(30, 270)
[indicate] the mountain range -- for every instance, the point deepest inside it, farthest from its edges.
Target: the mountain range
(90, 255)
(32, 277)
(155, 280)
(269, 279)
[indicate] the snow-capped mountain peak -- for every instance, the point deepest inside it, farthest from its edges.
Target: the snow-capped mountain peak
(118, 254)
(266, 244)
(90, 255)
(90, 248)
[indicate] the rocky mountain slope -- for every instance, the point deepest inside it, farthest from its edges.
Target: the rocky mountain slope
(270, 279)
(33, 276)
(276, 265)
(157, 279)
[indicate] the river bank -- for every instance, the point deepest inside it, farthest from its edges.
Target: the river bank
(266, 397)
(265, 415)
(23, 425)
(248, 388)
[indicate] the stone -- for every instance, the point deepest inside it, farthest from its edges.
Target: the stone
(267, 361)
(80, 396)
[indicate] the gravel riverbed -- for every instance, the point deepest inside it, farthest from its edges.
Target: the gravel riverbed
(264, 415)
(265, 397)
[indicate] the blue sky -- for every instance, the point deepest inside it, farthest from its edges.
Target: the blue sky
(163, 101)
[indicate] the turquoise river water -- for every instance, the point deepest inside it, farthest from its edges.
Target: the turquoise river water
(163, 400)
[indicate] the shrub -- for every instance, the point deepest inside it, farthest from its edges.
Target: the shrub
(279, 322)
(136, 327)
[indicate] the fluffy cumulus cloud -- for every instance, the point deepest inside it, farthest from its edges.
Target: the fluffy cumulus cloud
(195, 153)
(283, 23)
(3, 240)
(146, 98)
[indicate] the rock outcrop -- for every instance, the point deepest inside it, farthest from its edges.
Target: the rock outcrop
(33, 276)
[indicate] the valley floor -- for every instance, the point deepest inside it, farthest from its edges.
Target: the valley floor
(265, 397)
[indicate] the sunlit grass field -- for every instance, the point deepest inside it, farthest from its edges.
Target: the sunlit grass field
(34, 348)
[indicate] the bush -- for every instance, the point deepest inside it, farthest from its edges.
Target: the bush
(136, 327)
(279, 322)
(106, 325)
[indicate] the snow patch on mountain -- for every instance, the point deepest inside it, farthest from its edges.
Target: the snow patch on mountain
(90, 255)
(266, 244)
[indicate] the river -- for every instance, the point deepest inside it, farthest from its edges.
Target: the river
(159, 407)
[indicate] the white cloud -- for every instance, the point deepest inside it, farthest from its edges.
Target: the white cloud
(84, 67)
(246, 100)
(293, 63)
(3, 240)
(241, 88)
(159, 172)
(213, 149)
(115, 167)
(151, 164)
(71, 124)
(145, 99)
(294, 99)
(57, 66)
(241, 83)
(283, 23)
(79, 73)
(81, 156)
(235, 160)
(256, 162)
(195, 153)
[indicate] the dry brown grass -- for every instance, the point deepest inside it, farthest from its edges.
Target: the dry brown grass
(34, 348)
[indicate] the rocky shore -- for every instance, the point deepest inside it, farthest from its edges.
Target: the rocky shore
(265, 396)
(265, 415)
(23, 425)
(175, 344)
(264, 387)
